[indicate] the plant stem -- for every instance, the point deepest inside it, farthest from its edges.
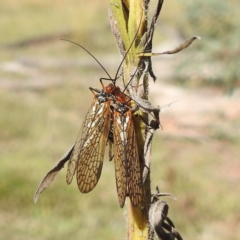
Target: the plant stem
(129, 25)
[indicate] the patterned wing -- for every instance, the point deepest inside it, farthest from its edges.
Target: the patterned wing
(133, 164)
(127, 165)
(89, 148)
(120, 160)
(89, 166)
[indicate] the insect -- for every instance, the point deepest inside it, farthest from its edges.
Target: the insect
(126, 158)
(110, 105)
(86, 156)
(88, 153)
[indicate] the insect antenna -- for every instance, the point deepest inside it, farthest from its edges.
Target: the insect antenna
(121, 63)
(125, 88)
(125, 56)
(104, 69)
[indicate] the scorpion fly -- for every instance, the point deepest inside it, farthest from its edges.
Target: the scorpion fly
(88, 153)
(109, 111)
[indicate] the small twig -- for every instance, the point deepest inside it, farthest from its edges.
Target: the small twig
(175, 50)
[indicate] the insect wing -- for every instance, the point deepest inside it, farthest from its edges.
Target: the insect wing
(133, 163)
(87, 155)
(127, 165)
(89, 167)
(120, 160)
(79, 143)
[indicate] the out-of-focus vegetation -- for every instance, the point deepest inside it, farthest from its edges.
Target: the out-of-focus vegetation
(216, 60)
(44, 96)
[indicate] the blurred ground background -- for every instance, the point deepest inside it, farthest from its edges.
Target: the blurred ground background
(44, 97)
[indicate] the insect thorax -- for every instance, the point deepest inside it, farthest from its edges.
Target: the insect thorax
(121, 108)
(103, 97)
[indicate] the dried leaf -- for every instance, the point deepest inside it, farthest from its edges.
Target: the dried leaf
(49, 177)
